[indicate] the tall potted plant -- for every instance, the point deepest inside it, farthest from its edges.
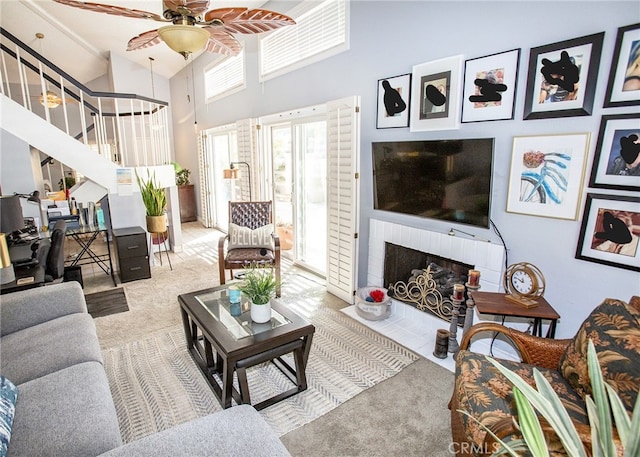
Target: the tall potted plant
(260, 287)
(155, 202)
(186, 194)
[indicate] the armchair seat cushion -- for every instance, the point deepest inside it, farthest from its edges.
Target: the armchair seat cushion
(487, 395)
(245, 256)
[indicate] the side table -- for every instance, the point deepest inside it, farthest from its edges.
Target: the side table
(495, 304)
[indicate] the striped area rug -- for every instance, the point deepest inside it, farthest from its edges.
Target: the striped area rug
(156, 384)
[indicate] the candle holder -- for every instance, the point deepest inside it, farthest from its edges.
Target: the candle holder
(453, 329)
(468, 318)
(442, 344)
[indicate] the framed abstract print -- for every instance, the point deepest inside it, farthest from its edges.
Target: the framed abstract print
(623, 87)
(435, 95)
(610, 230)
(489, 92)
(394, 96)
(562, 77)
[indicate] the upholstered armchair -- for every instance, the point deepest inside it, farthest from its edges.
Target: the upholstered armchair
(483, 392)
(251, 239)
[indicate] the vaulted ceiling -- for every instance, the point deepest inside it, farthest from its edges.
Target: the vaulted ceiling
(79, 41)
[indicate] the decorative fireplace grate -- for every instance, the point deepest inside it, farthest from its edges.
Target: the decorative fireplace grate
(423, 291)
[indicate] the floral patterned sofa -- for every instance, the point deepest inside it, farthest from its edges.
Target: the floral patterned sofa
(480, 390)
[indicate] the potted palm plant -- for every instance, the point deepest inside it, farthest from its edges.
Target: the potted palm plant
(260, 287)
(155, 202)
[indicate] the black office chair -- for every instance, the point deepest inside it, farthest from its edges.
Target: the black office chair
(54, 265)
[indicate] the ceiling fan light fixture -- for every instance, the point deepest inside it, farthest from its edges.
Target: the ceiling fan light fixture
(51, 99)
(184, 39)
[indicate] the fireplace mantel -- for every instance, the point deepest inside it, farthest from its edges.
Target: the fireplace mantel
(486, 256)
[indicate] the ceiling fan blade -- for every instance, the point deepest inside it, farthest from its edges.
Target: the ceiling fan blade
(226, 15)
(110, 9)
(255, 21)
(144, 40)
(220, 42)
(194, 7)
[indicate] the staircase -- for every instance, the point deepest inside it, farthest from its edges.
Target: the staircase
(94, 133)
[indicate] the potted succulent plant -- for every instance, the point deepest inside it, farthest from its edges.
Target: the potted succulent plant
(260, 287)
(155, 202)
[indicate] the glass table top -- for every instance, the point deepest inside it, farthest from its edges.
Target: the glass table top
(236, 317)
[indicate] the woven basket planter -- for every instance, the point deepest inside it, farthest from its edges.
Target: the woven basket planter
(373, 311)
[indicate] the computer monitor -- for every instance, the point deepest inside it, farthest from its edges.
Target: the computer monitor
(11, 218)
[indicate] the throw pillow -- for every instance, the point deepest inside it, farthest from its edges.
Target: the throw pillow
(8, 397)
(244, 237)
(614, 328)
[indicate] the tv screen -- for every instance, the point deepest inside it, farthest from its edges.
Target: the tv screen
(439, 179)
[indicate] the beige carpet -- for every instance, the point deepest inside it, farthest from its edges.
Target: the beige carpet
(156, 384)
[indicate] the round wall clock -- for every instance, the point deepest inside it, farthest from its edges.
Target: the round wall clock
(524, 283)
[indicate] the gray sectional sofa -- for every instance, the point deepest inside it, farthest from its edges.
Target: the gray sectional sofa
(49, 349)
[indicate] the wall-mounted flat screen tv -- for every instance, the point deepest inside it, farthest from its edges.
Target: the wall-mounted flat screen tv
(439, 179)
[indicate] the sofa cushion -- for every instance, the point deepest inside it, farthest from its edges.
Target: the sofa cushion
(487, 395)
(66, 413)
(238, 431)
(8, 397)
(44, 348)
(244, 237)
(614, 328)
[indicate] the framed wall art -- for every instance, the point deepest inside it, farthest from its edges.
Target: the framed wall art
(489, 92)
(616, 164)
(623, 88)
(547, 173)
(562, 77)
(610, 230)
(394, 96)
(435, 95)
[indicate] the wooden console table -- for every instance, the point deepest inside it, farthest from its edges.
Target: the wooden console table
(495, 304)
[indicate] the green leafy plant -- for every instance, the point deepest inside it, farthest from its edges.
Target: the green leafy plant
(153, 196)
(601, 407)
(259, 284)
(69, 182)
(182, 177)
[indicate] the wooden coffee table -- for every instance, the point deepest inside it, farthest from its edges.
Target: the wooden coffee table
(223, 340)
(495, 304)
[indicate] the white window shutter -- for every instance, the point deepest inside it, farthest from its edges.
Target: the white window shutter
(205, 168)
(247, 148)
(343, 204)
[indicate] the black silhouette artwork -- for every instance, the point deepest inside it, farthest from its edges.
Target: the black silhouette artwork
(393, 102)
(489, 91)
(564, 73)
(629, 148)
(615, 237)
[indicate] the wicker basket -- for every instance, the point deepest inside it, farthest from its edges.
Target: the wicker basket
(373, 311)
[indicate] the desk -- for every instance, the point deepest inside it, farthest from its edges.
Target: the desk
(85, 236)
(495, 304)
(36, 272)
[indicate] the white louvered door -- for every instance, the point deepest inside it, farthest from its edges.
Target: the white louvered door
(343, 196)
(247, 151)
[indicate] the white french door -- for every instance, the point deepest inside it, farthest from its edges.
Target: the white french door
(298, 154)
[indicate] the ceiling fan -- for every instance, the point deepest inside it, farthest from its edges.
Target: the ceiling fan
(193, 27)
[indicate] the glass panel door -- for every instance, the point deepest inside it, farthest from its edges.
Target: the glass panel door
(282, 185)
(222, 150)
(310, 193)
(299, 189)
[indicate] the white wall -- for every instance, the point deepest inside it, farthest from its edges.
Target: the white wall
(387, 39)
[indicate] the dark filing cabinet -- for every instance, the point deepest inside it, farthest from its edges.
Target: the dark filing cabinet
(133, 254)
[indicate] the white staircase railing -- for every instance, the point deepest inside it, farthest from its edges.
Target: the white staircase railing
(129, 130)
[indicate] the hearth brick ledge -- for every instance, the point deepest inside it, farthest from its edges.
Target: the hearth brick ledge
(487, 257)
